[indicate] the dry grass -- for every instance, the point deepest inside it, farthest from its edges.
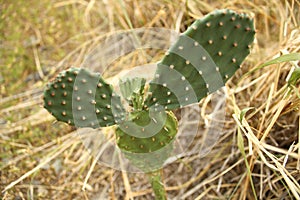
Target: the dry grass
(256, 157)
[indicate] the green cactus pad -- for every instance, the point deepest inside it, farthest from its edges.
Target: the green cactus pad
(147, 138)
(146, 132)
(202, 60)
(83, 99)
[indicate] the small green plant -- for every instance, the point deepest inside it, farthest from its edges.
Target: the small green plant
(199, 63)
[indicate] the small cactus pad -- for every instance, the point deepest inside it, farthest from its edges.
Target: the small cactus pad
(146, 132)
(202, 60)
(147, 138)
(133, 91)
(83, 99)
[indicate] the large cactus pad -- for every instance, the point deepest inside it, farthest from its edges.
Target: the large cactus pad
(202, 60)
(81, 98)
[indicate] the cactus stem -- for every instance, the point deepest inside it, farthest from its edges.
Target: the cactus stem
(157, 185)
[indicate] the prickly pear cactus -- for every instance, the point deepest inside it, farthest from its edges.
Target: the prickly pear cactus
(83, 99)
(199, 63)
(202, 60)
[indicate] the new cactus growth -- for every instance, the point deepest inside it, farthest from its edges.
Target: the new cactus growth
(199, 63)
(133, 92)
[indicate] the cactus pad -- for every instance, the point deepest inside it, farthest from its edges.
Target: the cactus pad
(202, 60)
(146, 132)
(82, 98)
(147, 138)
